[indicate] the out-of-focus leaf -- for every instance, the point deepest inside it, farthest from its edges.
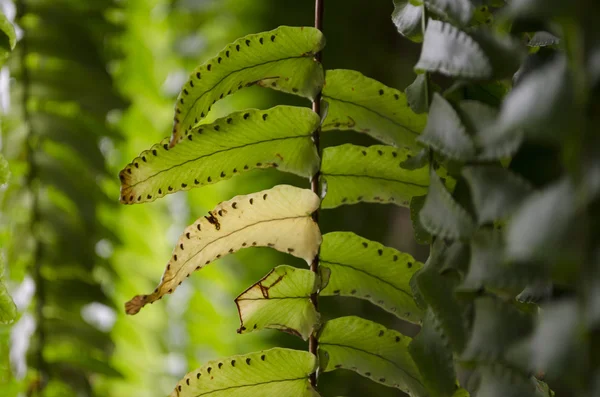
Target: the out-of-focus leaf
(274, 372)
(353, 174)
(371, 350)
(496, 327)
(8, 309)
(442, 216)
(543, 39)
(445, 132)
(499, 380)
(458, 11)
(477, 116)
(417, 94)
(279, 218)
(422, 236)
(281, 59)
(279, 137)
(433, 356)
(407, 18)
(280, 300)
(452, 52)
(8, 39)
(4, 171)
(368, 270)
(504, 53)
(496, 192)
(362, 104)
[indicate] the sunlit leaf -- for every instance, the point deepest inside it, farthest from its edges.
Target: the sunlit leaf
(407, 18)
(368, 270)
(496, 192)
(452, 52)
(433, 356)
(442, 215)
(459, 11)
(362, 104)
(280, 300)
(279, 218)
(281, 59)
(496, 327)
(279, 137)
(371, 350)
(374, 174)
(274, 372)
(445, 132)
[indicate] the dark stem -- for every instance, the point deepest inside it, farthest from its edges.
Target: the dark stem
(313, 344)
(32, 185)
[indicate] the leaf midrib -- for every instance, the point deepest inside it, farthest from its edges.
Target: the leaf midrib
(251, 385)
(376, 178)
(212, 154)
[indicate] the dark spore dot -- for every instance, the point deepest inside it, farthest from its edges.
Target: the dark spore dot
(220, 97)
(139, 198)
(260, 40)
(202, 114)
(337, 291)
(395, 258)
(179, 387)
(364, 152)
(409, 264)
(217, 128)
(208, 67)
(181, 101)
(184, 185)
(396, 96)
(189, 137)
(262, 357)
(218, 256)
(294, 89)
(144, 159)
(220, 212)
(248, 43)
(367, 373)
(220, 365)
(198, 375)
(208, 369)
(258, 164)
(380, 152)
(149, 197)
(359, 198)
(219, 60)
(175, 258)
(365, 244)
(191, 85)
(185, 91)
(394, 154)
(290, 250)
(187, 235)
(181, 246)
(231, 250)
(222, 174)
(187, 381)
(353, 292)
(198, 227)
(382, 380)
(233, 363)
(380, 92)
(246, 115)
(380, 252)
(237, 47)
(166, 147)
(248, 361)
(227, 54)
(255, 326)
(234, 170)
(274, 84)
(397, 339)
(245, 167)
(229, 120)
(265, 196)
(264, 116)
(380, 333)
(251, 201)
(244, 244)
(170, 188)
(198, 75)
(209, 179)
(129, 170)
(273, 38)
(196, 182)
(234, 205)
(254, 243)
(154, 152)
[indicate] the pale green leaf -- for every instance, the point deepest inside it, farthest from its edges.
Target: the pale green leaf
(497, 325)
(279, 137)
(452, 52)
(372, 351)
(362, 104)
(433, 356)
(281, 59)
(496, 192)
(368, 270)
(275, 372)
(279, 218)
(442, 216)
(445, 132)
(417, 94)
(280, 300)
(353, 174)
(458, 11)
(407, 18)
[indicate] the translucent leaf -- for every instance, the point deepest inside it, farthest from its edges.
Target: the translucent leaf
(407, 18)
(445, 132)
(279, 218)
(452, 52)
(416, 205)
(458, 11)
(274, 372)
(543, 39)
(442, 216)
(353, 174)
(279, 137)
(368, 270)
(281, 59)
(433, 356)
(362, 104)
(371, 350)
(280, 300)
(496, 327)
(8, 40)
(496, 192)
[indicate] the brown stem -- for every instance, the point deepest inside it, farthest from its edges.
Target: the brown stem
(313, 344)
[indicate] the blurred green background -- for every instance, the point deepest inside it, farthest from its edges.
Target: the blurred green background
(90, 85)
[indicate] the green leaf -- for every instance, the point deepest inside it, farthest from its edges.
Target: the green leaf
(442, 216)
(433, 356)
(362, 104)
(458, 11)
(368, 270)
(452, 52)
(8, 38)
(371, 350)
(274, 372)
(279, 218)
(417, 94)
(280, 300)
(407, 18)
(4, 171)
(279, 137)
(281, 59)
(499, 380)
(496, 192)
(496, 327)
(353, 174)
(8, 309)
(422, 236)
(445, 132)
